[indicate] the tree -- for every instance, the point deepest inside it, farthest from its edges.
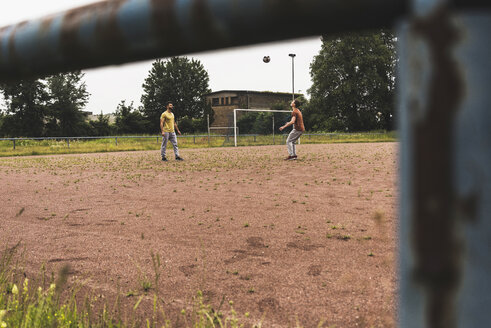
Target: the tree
(2, 119)
(180, 80)
(353, 81)
(101, 126)
(67, 96)
(25, 108)
(128, 119)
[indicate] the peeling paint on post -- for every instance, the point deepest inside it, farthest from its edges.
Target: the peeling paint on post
(443, 185)
(473, 174)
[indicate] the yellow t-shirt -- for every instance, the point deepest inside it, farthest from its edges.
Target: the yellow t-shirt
(168, 121)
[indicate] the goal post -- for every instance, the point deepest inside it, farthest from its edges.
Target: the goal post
(254, 110)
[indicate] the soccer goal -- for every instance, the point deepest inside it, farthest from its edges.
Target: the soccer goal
(254, 110)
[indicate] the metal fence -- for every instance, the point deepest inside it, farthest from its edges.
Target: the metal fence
(68, 139)
(227, 138)
(443, 100)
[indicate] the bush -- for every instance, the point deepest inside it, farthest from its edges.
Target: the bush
(191, 125)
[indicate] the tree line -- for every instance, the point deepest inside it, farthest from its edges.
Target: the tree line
(353, 83)
(53, 105)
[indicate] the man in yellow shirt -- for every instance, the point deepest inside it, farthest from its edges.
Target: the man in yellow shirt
(168, 126)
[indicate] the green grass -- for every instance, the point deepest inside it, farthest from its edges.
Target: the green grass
(50, 147)
(24, 304)
(53, 303)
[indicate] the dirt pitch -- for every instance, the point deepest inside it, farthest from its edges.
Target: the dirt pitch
(287, 241)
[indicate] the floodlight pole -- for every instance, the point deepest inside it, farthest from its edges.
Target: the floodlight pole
(293, 75)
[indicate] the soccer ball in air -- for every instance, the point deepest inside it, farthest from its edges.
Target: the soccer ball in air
(266, 59)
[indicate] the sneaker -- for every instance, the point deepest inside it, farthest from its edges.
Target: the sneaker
(179, 158)
(289, 158)
(294, 157)
(164, 159)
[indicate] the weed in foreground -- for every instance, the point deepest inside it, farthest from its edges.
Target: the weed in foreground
(25, 305)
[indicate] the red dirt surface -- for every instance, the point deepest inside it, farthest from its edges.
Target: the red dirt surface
(287, 241)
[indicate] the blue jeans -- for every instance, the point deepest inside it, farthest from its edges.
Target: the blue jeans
(169, 136)
(291, 140)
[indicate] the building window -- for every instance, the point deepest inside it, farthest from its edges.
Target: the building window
(215, 101)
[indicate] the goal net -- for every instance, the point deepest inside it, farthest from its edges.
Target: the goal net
(286, 116)
(227, 130)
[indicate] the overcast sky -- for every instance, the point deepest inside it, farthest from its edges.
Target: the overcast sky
(231, 69)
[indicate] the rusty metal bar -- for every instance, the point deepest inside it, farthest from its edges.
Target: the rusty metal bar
(445, 226)
(119, 31)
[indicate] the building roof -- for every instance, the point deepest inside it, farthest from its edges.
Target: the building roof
(252, 92)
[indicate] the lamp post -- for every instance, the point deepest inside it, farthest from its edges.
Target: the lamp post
(293, 75)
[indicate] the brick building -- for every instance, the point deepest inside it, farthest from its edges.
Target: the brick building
(224, 102)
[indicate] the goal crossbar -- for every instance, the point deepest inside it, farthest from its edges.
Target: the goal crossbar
(254, 110)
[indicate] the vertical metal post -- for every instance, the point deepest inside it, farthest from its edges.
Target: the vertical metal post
(273, 130)
(445, 227)
(235, 127)
(293, 75)
(208, 124)
(116, 140)
(14, 143)
(68, 142)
